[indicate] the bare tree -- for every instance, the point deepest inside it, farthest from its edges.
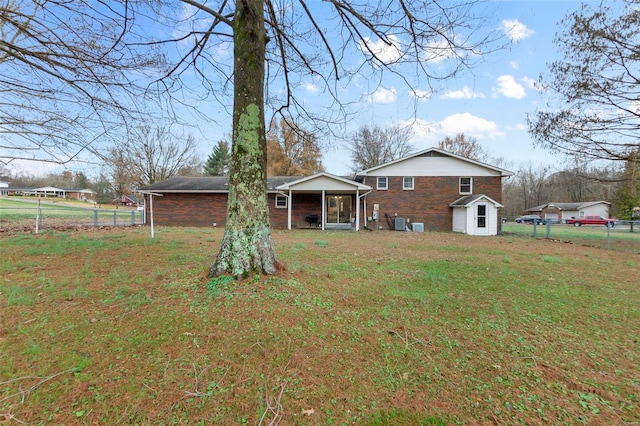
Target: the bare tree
(594, 111)
(150, 154)
(65, 80)
(372, 145)
(464, 146)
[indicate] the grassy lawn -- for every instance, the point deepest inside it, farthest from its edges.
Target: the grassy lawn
(377, 328)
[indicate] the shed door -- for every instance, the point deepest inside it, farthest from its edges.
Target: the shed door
(481, 219)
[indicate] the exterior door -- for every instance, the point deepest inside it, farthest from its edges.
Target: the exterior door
(338, 209)
(481, 219)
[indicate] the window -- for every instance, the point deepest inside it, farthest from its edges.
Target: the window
(383, 183)
(465, 185)
(407, 182)
(281, 202)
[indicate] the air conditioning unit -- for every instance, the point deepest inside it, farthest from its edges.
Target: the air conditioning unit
(399, 224)
(417, 227)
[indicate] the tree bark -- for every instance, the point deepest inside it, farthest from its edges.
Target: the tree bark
(247, 246)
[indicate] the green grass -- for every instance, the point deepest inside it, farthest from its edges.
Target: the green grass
(366, 328)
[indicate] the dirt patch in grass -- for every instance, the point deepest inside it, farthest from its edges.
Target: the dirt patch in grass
(110, 327)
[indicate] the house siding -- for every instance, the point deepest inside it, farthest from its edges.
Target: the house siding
(429, 201)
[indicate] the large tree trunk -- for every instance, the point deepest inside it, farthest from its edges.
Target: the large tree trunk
(247, 246)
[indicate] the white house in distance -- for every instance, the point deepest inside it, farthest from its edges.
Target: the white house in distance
(3, 187)
(561, 212)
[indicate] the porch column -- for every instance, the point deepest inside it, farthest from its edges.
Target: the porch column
(357, 210)
(290, 200)
(323, 208)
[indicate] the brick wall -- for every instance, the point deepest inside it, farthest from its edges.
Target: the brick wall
(429, 201)
(206, 209)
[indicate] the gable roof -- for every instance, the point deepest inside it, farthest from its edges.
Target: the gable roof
(567, 206)
(437, 151)
(467, 200)
(206, 184)
(307, 182)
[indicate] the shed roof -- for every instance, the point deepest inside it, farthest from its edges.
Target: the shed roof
(467, 200)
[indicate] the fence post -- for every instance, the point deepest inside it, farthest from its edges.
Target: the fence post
(535, 228)
(114, 217)
(548, 228)
(133, 217)
(609, 236)
(95, 217)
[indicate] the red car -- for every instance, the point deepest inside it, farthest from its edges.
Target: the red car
(592, 220)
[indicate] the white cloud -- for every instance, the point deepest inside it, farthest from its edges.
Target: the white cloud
(468, 124)
(311, 88)
(464, 93)
(387, 53)
(384, 96)
(508, 87)
(428, 133)
(529, 82)
(438, 51)
(516, 30)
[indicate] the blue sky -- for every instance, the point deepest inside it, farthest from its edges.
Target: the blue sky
(490, 102)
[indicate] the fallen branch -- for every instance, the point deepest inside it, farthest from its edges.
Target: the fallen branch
(25, 392)
(274, 406)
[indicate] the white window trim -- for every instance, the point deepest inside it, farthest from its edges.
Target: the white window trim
(286, 201)
(408, 188)
(382, 188)
(470, 185)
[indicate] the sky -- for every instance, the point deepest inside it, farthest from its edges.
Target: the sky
(489, 102)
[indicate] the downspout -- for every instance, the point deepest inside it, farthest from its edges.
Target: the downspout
(323, 207)
(289, 208)
(364, 202)
(357, 210)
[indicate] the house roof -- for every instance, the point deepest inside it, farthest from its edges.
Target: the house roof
(307, 182)
(567, 206)
(467, 200)
(207, 184)
(502, 172)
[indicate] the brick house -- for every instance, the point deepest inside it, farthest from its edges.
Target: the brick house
(428, 190)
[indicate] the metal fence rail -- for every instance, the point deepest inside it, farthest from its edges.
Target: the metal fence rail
(625, 235)
(38, 217)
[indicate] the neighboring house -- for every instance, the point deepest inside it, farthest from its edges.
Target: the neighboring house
(428, 190)
(125, 200)
(3, 187)
(51, 191)
(560, 212)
